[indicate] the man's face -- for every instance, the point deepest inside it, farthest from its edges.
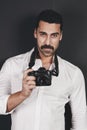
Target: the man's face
(48, 37)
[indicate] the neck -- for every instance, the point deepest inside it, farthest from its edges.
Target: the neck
(46, 61)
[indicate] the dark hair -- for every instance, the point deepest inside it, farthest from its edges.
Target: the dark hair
(49, 16)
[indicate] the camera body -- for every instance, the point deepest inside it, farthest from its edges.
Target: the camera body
(43, 76)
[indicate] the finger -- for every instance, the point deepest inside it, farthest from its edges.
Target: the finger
(25, 73)
(30, 83)
(30, 78)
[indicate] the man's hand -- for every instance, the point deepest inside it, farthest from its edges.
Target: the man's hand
(28, 83)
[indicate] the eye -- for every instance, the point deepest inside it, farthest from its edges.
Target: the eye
(42, 34)
(54, 35)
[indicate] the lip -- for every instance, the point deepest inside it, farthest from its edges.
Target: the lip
(47, 48)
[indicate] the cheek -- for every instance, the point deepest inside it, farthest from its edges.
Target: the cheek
(55, 42)
(41, 40)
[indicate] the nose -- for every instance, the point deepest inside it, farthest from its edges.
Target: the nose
(47, 40)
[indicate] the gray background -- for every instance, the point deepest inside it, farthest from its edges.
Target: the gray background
(16, 32)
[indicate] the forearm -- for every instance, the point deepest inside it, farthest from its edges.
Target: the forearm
(28, 84)
(14, 100)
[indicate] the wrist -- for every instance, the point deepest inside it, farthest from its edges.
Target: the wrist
(24, 95)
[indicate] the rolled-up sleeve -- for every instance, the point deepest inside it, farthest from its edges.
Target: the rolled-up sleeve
(3, 104)
(78, 103)
(4, 87)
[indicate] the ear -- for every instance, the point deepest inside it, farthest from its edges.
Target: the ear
(61, 36)
(35, 33)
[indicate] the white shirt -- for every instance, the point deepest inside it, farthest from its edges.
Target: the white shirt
(44, 108)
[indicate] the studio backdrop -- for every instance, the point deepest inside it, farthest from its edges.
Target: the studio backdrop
(16, 33)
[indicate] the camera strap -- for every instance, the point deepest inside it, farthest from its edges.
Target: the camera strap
(32, 58)
(55, 70)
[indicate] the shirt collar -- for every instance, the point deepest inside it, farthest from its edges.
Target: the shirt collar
(38, 64)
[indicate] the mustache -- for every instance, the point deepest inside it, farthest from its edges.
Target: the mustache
(47, 46)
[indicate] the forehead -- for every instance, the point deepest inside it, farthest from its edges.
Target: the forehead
(45, 26)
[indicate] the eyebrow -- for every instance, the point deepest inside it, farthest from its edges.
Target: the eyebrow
(42, 32)
(51, 33)
(55, 33)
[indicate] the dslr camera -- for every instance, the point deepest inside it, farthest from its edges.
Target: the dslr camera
(43, 76)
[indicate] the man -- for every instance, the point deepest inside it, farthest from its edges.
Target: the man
(35, 86)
